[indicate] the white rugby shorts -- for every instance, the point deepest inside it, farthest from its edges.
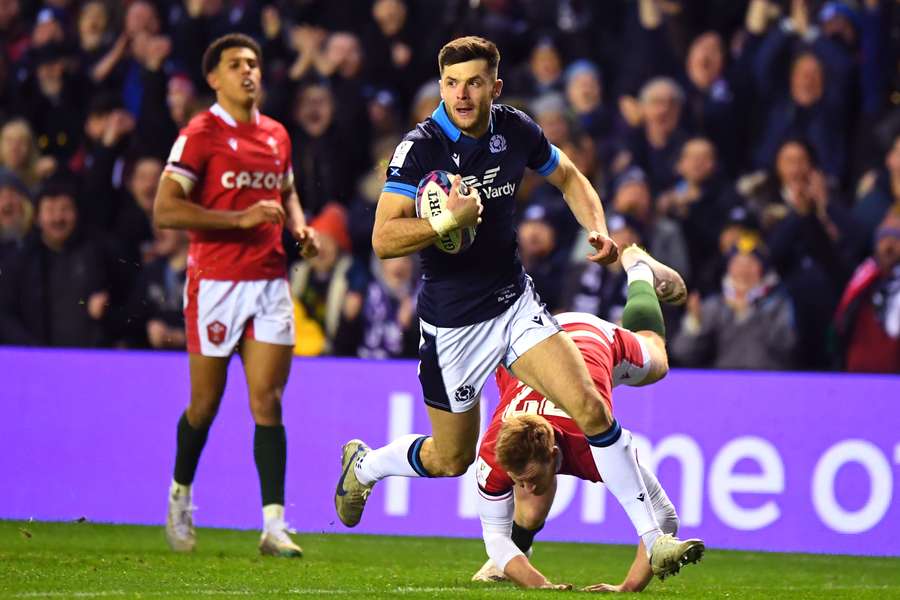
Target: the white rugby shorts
(217, 313)
(455, 362)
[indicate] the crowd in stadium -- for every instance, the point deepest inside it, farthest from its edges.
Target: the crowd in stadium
(753, 145)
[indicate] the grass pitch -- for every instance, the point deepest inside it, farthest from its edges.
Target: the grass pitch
(83, 560)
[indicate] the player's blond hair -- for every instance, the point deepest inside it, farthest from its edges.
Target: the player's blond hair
(524, 439)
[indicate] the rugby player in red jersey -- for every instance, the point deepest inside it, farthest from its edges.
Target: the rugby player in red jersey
(228, 181)
(530, 440)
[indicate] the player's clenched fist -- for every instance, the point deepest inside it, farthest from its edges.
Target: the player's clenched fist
(606, 249)
(465, 204)
(264, 211)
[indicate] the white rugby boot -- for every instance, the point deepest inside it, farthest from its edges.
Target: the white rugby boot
(667, 282)
(669, 554)
(276, 541)
(180, 522)
(489, 573)
(350, 495)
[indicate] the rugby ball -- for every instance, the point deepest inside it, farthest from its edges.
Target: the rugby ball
(431, 200)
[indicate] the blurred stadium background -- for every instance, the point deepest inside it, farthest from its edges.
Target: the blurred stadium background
(754, 145)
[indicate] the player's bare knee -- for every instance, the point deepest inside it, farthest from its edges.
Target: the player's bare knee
(266, 407)
(455, 465)
(529, 519)
(659, 368)
(201, 415)
(659, 358)
(590, 411)
(202, 410)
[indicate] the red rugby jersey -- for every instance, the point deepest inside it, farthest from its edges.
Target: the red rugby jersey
(603, 346)
(232, 166)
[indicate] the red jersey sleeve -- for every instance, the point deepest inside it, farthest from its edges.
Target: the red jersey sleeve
(491, 478)
(191, 151)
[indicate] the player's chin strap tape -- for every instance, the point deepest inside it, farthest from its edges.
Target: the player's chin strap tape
(443, 223)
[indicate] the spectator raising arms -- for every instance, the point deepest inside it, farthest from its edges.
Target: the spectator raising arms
(748, 325)
(699, 122)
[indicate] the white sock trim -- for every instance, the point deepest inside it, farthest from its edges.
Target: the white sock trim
(387, 461)
(272, 513)
(639, 271)
(178, 490)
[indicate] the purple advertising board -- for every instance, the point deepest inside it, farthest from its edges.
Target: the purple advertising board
(763, 461)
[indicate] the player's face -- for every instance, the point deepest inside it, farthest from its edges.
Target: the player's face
(468, 89)
(536, 478)
(237, 77)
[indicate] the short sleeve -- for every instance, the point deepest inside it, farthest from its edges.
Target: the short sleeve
(492, 480)
(188, 157)
(543, 156)
(405, 170)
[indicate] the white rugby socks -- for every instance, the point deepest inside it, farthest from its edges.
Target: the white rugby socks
(616, 462)
(273, 516)
(639, 271)
(180, 491)
(396, 459)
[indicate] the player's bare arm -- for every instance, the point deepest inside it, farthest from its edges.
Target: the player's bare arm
(399, 232)
(585, 204)
(496, 519)
(530, 507)
(522, 572)
(639, 576)
(173, 210)
(296, 223)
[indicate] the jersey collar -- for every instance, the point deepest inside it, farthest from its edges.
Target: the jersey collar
(441, 117)
(223, 114)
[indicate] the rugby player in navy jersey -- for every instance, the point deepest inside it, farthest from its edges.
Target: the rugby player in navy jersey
(478, 309)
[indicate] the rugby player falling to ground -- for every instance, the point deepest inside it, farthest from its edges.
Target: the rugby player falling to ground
(229, 182)
(530, 440)
(478, 308)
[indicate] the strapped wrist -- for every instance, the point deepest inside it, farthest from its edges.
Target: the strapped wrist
(443, 223)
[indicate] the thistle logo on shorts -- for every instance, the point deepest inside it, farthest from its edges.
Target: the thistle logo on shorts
(216, 331)
(464, 393)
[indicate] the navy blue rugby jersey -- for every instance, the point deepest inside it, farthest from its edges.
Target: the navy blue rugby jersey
(481, 282)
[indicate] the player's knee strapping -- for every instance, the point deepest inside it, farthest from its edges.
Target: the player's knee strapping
(642, 311)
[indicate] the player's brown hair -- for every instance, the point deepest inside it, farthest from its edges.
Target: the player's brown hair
(469, 48)
(524, 439)
(213, 53)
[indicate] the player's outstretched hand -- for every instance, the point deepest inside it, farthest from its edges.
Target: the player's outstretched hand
(603, 588)
(465, 203)
(607, 250)
(264, 211)
(308, 240)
